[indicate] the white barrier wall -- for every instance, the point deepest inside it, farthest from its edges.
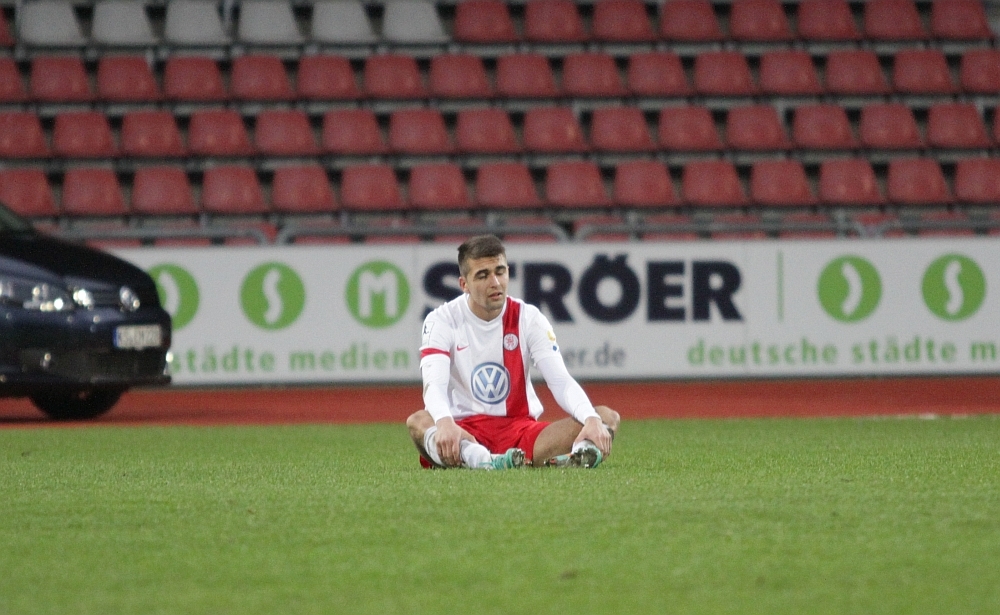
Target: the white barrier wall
(651, 310)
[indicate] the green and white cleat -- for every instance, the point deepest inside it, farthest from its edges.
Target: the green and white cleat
(587, 456)
(511, 460)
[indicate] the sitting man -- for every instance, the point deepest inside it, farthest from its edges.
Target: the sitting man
(480, 409)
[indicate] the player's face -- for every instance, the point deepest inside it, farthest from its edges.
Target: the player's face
(486, 285)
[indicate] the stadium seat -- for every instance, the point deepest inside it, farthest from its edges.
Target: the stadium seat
(688, 129)
(267, 22)
(122, 23)
(21, 135)
(826, 21)
(668, 220)
(759, 21)
(341, 22)
(979, 71)
(553, 21)
(302, 189)
(780, 183)
(151, 134)
(723, 73)
(83, 134)
(126, 79)
(218, 132)
(49, 23)
(232, 189)
(506, 185)
(484, 21)
(284, 132)
(162, 191)
(917, 181)
(818, 220)
(855, 72)
(921, 71)
(945, 224)
(27, 192)
(575, 183)
(392, 75)
(485, 131)
(352, 132)
(849, 181)
(260, 78)
(620, 129)
(712, 183)
(553, 130)
(789, 73)
(6, 35)
(822, 127)
(657, 73)
(194, 23)
(193, 79)
(889, 126)
(599, 227)
(621, 21)
(893, 20)
(591, 75)
(878, 224)
(12, 89)
(418, 132)
(737, 227)
(977, 181)
(644, 183)
(525, 75)
(438, 187)
(92, 192)
(326, 77)
(458, 75)
(956, 125)
(59, 79)
(756, 128)
(689, 21)
(412, 22)
(370, 187)
(959, 20)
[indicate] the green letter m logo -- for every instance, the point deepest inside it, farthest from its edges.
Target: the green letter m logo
(377, 294)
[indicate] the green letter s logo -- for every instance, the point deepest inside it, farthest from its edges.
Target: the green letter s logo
(272, 296)
(178, 293)
(954, 287)
(849, 288)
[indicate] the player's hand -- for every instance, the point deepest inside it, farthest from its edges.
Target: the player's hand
(595, 431)
(449, 437)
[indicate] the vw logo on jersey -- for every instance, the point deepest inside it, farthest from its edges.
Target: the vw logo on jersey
(490, 383)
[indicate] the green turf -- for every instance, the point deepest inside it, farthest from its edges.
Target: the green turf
(770, 516)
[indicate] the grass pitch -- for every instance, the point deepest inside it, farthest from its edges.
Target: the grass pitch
(771, 516)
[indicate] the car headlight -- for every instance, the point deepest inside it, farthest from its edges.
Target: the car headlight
(33, 295)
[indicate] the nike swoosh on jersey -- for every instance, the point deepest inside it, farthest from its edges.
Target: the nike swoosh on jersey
(461, 348)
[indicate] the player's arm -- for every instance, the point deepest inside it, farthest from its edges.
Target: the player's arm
(573, 399)
(435, 371)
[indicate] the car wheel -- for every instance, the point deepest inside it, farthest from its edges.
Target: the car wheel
(76, 405)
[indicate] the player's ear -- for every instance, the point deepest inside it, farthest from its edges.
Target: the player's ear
(462, 284)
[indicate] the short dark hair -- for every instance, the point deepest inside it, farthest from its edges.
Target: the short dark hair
(480, 246)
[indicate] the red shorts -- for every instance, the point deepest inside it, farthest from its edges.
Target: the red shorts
(499, 433)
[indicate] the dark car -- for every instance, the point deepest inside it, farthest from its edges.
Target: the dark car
(78, 326)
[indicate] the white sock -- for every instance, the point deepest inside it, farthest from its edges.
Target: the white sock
(582, 444)
(430, 445)
(475, 455)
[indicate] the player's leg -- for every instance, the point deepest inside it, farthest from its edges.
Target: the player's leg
(557, 439)
(474, 455)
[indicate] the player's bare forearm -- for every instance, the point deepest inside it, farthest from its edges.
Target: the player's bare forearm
(449, 437)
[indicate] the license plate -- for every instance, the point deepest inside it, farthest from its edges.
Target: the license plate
(138, 336)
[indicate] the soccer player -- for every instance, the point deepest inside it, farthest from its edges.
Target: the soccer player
(480, 409)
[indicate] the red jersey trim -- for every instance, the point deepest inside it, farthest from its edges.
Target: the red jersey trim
(426, 352)
(517, 399)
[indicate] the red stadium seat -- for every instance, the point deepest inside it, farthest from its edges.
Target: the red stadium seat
(575, 183)
(644, 183)
(855, 72)
(889, 126)
(756, 127)
(193, 79)
(151, 134)
(759, 21)
(622, 21)
(780, 183)
(805, 218)
(826, 20)
(723, 73)
(591, 75)
(740, 227)
(302, 189)
(822, 127)
(284, 132)
(6, 37)
(162, 190)
(232, 189)
(352, 132)
(218, 132)
(438, 186)
(688, 128)
(525, 75)
(370, 187)
(917, 181)
(418, 131)
(326, 77)
(484, 21)
(21, 135)
(956, 125)
(506, 185)
(921, 71)
(553, 130)
(945, 224)
(12, 89)
(459, 75)
(657, 73)
(668, 220)
(553, 21)
(893, 20)
(485, 131)
(83, 134)
(849, 181)
(979, 71)
(788, 73)
(260, 78)
(596, 227)
(59, 79)
(392, 75)
(620, 129)
(126, 79)
(27, 192)
(92, 192)
(712, 183)
(959, 20)
(977, 181)
(689, 21)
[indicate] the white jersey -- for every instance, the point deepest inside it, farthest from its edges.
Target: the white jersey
(490, 362)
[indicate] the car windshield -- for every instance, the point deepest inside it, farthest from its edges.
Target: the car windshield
(13, 223)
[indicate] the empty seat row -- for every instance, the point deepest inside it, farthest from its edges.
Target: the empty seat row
(347, 22)
(261, 77)
(239, 189)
